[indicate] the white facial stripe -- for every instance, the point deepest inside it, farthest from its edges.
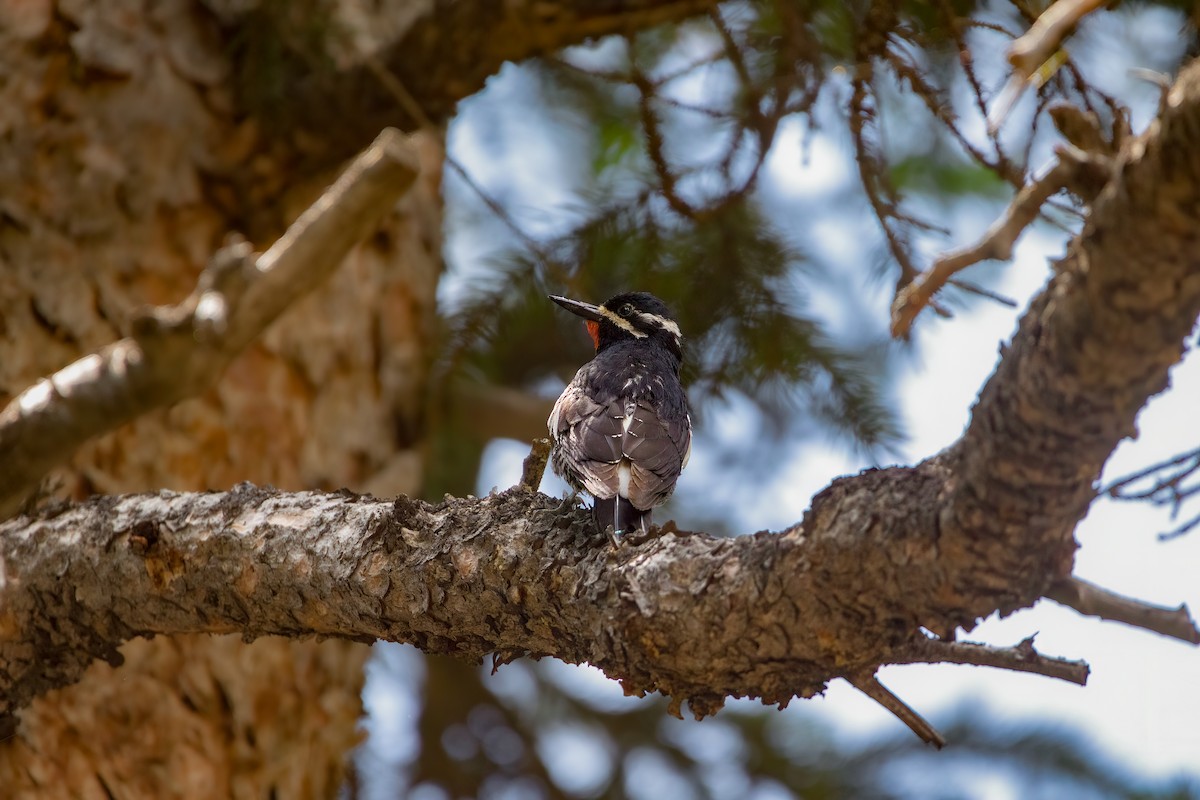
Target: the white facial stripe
(621, 323)
(667, 325)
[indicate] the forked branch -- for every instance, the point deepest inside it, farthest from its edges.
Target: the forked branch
(996, 243)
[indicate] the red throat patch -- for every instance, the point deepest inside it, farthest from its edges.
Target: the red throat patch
(593, 329)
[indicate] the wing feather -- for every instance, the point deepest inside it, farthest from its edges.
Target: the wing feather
(587, 438)
(657, 450)
(594, 436)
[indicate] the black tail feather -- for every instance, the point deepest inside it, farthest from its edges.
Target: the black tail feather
(619, 514)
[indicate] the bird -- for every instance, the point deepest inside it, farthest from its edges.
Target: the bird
(622, 430)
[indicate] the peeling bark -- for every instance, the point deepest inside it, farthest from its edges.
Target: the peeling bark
(126, 162)
(179, 351)
(985, 525)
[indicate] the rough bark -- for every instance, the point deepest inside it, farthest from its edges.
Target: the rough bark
(128, 156)
(985, 525)
(180, 718)
(125, 163)
(176, 352)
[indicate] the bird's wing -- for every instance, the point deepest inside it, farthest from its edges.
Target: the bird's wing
(593, 438)
(657, 449)
(588, 437)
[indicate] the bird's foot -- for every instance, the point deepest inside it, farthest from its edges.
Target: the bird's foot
(614, 536)
(642, 535)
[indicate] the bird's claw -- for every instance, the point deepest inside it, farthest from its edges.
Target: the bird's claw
(614, 537)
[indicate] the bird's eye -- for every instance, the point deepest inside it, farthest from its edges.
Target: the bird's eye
(625, 310)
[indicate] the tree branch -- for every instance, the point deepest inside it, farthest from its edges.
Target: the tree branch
(534, 465)
(1030, 53)
(1047, 34)
(872, 688)
(1095, 601)
(997, 243)
(1170, 487)
(986, 525)
(177, 352)
(449, 52)
(1020, 658)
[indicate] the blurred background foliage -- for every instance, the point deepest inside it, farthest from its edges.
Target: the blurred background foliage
(706, 162)
(546, 730)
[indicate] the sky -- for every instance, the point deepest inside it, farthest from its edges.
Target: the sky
(1143, 697)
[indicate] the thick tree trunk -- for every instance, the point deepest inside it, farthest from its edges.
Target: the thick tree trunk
(129, 157)
(985, 525)
(125, 164)
(137, 135)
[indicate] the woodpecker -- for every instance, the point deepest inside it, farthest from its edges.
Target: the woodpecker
(621, 428)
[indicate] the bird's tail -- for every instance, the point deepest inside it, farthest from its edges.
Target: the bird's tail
(620, 514)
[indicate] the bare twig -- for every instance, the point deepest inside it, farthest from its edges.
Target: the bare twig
(1180, 530)
(871, 173)
(654, 146)
(1019, 658)
(974, 288)
(957, 24)
(1187, 463)
(997, 243)
(1045, 36)
(543, 255)
(610, 76)
(765, 102)
(1035, 48)
(617, 76)
(751, 97)
(874, 34)
(762, 123)
(689, 68)
(396, 88)
(1095, 601)
(711, 113)
(872, 688)
(1168, 488)
(178, 351)
(404, 98)
(732, 51)
(942, 111)
(535, 464)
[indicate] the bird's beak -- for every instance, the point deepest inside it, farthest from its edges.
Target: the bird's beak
(581, 309)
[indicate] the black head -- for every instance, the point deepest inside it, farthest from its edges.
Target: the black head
(628, 316)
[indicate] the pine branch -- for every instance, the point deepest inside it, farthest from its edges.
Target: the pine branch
(1019, 658)
(1096, 601)
(986, 525)
(448, 52)
(997, 243)
(872, 688)
(178, 351)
